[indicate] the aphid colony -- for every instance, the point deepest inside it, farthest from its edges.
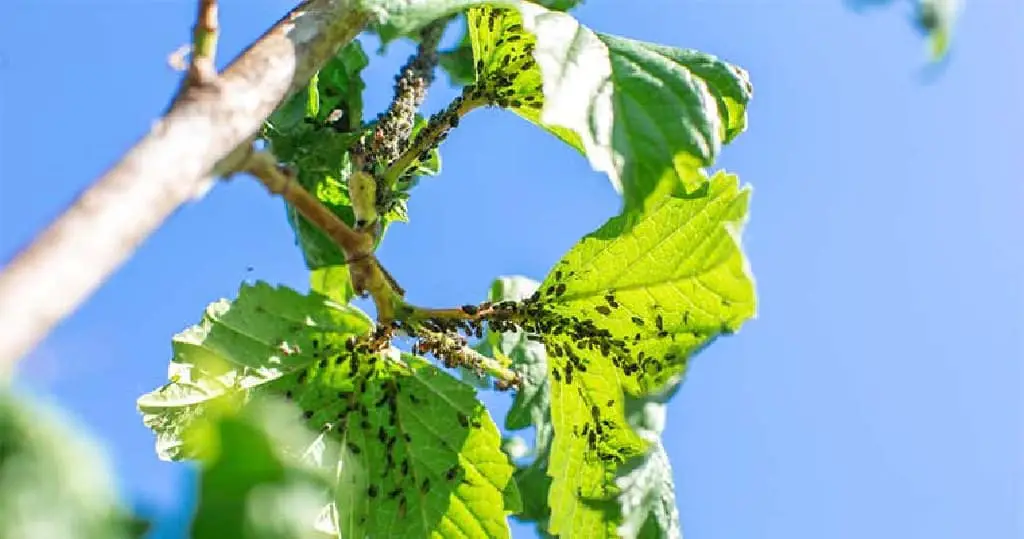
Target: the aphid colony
(508, 78)
(596, 433)
(369, 418)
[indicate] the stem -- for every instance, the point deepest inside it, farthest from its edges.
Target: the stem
(204, 44)
(394, 126)
(366, 272)
(203, 134)
(431, 136)
(263, 165)
(468, 313)
(455, 353)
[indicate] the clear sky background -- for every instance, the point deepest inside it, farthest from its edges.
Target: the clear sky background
(879, 394)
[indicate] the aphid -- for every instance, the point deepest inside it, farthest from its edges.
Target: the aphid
(414, 398)
(381, 435)
(611, 402)
(560, 289)
(463, 420)
(394, 493)
(288, 394)
(603, 310)
(338, 360)
(354, 448)
(405, 467)
(323, 363)
(452, 472)
(568, 373)
(558, 275)
(555, 375)
(659, 323)
(307, 414)
(372, 491)
(401, 507)
(638, 321)
(301, 378)
(453, 121)
(595, 412)
(364, 424)
(471, 310)
(425, 486)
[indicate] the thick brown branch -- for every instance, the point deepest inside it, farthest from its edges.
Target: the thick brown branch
(200, 137)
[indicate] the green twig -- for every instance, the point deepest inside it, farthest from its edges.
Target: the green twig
(454, 352)
(202, 68)
(432, 135)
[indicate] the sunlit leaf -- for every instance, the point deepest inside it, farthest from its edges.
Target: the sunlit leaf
(638, 110)
(264, 334)
(664, 286)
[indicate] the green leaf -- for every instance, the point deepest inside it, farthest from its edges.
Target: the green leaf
(340, 84)
(54, 482)
(646, 497)
(532, 402)
(458, 61)
(411, 450)
(420, 454)
(263, 335)
(639, 111)
(249, 487)
(534, 484)
(504, 64)
(333, 282)
(665, 285)
(304, 133)
(622, 313)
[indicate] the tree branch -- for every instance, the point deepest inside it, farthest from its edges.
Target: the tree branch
(365, 270)
(205, 134)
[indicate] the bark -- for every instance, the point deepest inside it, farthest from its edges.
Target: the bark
(206, 133)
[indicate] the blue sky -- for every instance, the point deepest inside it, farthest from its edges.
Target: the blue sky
(880, 393)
